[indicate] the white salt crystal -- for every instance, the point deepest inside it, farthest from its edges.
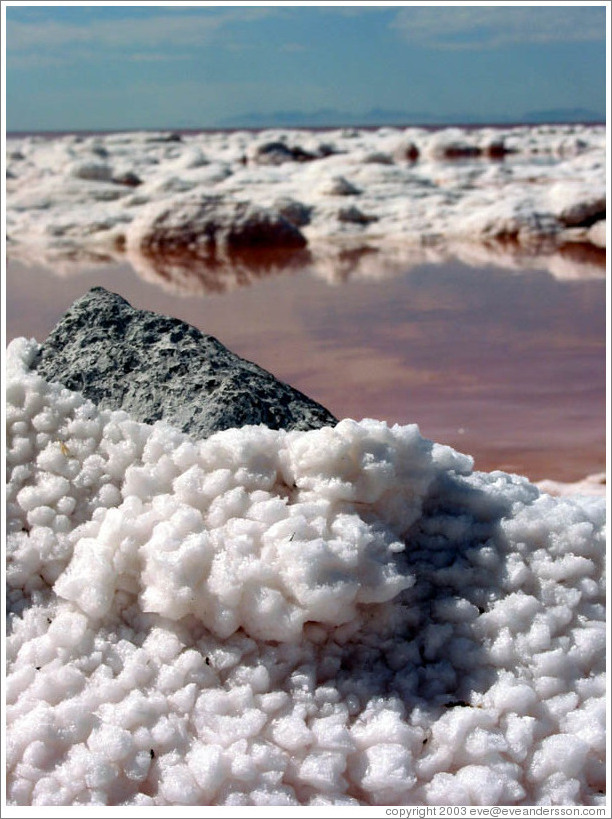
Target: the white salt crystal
(180, 628)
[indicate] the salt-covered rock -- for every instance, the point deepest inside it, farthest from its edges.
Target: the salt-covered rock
(577, 204)
(451, 143)
(201, 225)
(171, 137)
(157, 367)
(590, 485)
(378, 158)
(406, 150)
(338, 186)
(597, 233)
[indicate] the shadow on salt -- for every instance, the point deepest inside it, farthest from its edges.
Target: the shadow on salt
(423, 647)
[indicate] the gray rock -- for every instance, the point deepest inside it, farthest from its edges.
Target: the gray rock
(355, 216)
(297, 213)
(276, 153)
(156, 367)
(92, 171)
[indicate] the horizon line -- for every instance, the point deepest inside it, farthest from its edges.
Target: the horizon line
(193, 129)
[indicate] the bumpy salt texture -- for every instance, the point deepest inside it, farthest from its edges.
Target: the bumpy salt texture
(413, 195)
(346, 616)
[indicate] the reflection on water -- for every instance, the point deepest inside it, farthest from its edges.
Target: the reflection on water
(191, 275)
(508, 367)
(220, 269)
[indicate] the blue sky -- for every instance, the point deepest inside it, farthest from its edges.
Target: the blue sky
(205, 65)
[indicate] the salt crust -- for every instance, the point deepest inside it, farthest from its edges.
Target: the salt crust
(68, 202)
(346, 616)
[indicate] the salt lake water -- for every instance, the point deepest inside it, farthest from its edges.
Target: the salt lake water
(508, 366)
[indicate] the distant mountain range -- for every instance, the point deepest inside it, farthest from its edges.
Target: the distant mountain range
(563, 115)
(331, 117)
(334, 118)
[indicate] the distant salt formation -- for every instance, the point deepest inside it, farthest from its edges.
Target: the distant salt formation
(523, 192)
(345, 616)
(595, 485)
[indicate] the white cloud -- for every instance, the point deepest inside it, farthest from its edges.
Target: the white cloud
(30, 60)
(152, 57)
(473, 27)
(182, 28)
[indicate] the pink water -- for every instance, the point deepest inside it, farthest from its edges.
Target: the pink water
(509, 367)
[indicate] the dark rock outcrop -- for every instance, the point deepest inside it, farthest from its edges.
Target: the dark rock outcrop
(130, 179)
(355, 216)
(276, 153)
(297, 213)
(156, 367)
(460, 150)
(497, 149)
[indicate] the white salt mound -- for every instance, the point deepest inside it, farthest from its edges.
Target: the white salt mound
(347, 616)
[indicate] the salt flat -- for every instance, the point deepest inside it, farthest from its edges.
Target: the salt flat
(492, 194)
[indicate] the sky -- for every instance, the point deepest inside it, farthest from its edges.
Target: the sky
(114, 66)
